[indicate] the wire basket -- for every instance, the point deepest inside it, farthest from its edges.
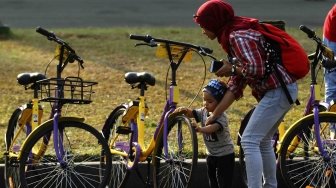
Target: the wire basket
(71, 90)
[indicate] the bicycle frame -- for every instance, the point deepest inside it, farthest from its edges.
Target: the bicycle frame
(138, 125)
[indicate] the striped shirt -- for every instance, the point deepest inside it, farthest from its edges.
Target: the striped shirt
(248, 47)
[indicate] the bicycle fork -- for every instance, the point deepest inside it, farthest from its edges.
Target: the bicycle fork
(58, 140)
(170, 107)
(317, 97)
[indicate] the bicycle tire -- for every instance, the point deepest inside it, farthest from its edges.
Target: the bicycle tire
(119, 172)
(11, 174)
(176, 169)
(82, 159)
(241, 158)
(301, 163)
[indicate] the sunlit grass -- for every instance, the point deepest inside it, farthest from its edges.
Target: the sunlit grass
(108, 55)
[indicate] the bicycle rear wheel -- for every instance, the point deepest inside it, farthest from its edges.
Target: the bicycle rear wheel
(301, 163)
(118, 142)
(12, 149)
(81, 144)
(242, 165)
(175, 170)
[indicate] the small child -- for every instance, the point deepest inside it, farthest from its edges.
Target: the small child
(220, 148)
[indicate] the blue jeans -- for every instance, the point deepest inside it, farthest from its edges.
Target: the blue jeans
(256, 139)
(330, 80)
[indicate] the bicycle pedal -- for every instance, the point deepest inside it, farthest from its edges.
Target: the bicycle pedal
(124, 130)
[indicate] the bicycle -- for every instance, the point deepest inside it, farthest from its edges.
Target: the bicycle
(307, 154)
(173, 148)
(49, 153)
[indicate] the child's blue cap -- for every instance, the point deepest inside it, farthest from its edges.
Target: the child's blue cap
(216, 88)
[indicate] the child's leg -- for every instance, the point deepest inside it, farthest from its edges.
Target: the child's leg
(211, 166)
(225, 170)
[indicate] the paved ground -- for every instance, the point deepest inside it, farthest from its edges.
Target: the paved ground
(107, 13)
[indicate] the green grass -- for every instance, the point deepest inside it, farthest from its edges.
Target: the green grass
(108, 55)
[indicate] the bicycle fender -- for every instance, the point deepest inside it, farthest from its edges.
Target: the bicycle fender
(49, 123)
(304, 119)
(106, 126)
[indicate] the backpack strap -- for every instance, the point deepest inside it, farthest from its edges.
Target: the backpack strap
(273, 58)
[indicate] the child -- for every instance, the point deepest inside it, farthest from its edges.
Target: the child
(220, 149)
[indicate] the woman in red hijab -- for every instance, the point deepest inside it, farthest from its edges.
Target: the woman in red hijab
(243, 38)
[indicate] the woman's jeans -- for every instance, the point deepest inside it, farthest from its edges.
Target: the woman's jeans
(256, 139)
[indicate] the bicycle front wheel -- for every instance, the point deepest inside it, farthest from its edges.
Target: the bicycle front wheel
(81, 145)
(175, 168)
(13, 146)
(301, 163)
(118, 138)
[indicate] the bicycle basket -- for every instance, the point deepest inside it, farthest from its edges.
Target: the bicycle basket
(71, 90)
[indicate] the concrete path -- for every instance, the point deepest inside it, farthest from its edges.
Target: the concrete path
(108, 13)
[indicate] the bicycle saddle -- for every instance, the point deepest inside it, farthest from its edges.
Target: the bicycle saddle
(136, 77)
(29, 78)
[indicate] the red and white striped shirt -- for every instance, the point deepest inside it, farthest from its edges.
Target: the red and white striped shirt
(248, 47)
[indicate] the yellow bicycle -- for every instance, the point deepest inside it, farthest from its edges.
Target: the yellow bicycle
(173, 148)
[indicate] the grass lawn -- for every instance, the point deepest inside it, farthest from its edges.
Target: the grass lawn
(108, 54)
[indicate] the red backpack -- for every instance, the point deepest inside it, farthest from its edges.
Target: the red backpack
(293, 56)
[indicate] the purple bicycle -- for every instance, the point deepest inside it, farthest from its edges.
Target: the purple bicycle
(307, 155)
(173, 148)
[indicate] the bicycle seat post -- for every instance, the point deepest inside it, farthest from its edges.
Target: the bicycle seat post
(142, 112)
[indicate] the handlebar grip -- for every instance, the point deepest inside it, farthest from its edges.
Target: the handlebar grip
(308, 31)
(45, 32)
(145, 38)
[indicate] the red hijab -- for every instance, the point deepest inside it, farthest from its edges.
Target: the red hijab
(218, 17)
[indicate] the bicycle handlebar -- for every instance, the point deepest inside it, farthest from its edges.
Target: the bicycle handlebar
(45, 33)
(329, 62)
(310, 33)
(149, 39)
(51, 36)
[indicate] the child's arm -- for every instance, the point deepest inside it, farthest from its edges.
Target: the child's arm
(182, 110)
(207, 129)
